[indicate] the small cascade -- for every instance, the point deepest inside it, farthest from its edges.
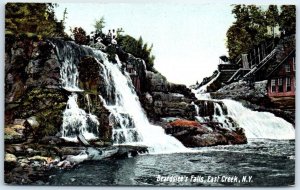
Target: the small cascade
(221, 116)
(196, 108)
(124, 131)
(198, 117)
(68, 54)
(201, 93)
(218, 117)
(76, 121)
(259, 124)
(88, 100)
(109, 89)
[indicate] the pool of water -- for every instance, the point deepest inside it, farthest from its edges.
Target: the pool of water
(261, 162)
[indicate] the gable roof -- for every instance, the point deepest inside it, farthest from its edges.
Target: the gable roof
(282, 62)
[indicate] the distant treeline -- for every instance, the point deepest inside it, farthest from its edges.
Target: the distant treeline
(253, 23)
(38, 20)
(33, 19)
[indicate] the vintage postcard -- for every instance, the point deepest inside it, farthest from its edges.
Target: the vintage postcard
(150, 94)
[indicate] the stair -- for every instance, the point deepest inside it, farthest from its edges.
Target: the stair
(261, 64)
(238, 75)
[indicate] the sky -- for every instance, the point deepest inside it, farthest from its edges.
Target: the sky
(187, 38)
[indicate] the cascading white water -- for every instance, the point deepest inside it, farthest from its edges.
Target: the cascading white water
(201, 93)
(259, 124)
(256, 124)
(68, 71)
(196, 108)
(133, 126)
(88, 100)
(218, 117)
(76, 121)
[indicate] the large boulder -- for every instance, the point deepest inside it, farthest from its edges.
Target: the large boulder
(43, 72)
(156, 82)
(89, 70)
(242, 91)
(10, 161)
(167, 104)
(182, 89)
(139, 76)
(16, 132)
(194, 134)
(210, 139)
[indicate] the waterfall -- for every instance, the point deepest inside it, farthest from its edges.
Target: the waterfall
(76, 121)
(259, 124)
(66, 52)
(130, 124)
(201, 93)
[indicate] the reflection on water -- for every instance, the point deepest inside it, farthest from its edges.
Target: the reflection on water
(266, 162)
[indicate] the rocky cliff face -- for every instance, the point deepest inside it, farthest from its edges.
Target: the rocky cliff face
(36, 73)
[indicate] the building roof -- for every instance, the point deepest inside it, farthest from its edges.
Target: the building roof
(281, 63)
(224, 58)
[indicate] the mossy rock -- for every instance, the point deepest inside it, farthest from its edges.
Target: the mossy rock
(47, 105)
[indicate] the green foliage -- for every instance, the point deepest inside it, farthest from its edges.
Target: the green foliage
(287, 19)
(99, 25)
(138, 49)
(251, 26)
(248, 30)
(272, 16)
(80, 36)
(36, 18)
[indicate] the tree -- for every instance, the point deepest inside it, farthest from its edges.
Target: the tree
(287, 19)
(65, 15)
(99, 25)
(80, 36)
(238, 41)
(32, 18)
(272, 16)
(249, 29)
(138, 49)
(258, 26)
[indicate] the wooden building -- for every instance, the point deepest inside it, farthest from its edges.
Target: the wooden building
(282, 79)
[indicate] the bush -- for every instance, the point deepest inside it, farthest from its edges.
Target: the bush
(80, 36)
(138, 49)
